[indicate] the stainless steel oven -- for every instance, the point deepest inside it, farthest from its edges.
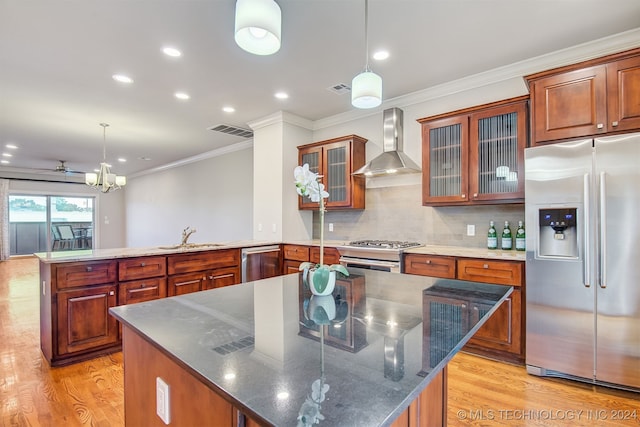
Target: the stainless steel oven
(382, 255)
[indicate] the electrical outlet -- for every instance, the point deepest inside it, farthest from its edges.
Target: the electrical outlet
(471, 230)
(260, 227)
(274, 228)
(162, 400)
(330, 226)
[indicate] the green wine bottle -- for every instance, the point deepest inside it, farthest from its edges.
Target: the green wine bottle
(520, 237)
(492, 237)
(507, 243)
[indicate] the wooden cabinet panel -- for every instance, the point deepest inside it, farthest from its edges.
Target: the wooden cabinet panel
(475, 155)
(335, 160)
(186, 283)
(221, 277)
(142, 290)
(201, 261)
(71, 275)
(142, 268)
(296, 253)
(430, 265)
(331, 255)
(290, 267)
(623, 89)
(493, 334)
(489, 271)
(588, 99)
(83, 319)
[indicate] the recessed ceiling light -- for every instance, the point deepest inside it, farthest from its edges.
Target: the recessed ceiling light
(228, 109)
(7, 155)
(122, 159)
(144, 158)
(381, 55)
(4, 162)
(11, 146)
(171, 51)
(122, 78)
(182, 95)
(281, 95)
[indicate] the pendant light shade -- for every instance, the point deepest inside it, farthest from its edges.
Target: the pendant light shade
(366, 87)
(366, 90)
(258, 26)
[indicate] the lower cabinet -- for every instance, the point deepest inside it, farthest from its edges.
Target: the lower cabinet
(502, 336)
(294, 255)
(200, 271)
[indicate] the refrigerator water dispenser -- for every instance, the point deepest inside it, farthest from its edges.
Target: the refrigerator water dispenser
(557, 231)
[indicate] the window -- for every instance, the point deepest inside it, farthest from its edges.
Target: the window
(44, 223)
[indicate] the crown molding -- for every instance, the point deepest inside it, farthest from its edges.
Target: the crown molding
(582, 52)
(281, 117)
(197, 158)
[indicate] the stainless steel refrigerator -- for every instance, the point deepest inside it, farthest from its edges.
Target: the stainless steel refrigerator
(582, 214)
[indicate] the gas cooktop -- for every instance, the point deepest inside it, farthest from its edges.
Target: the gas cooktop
(383, 244)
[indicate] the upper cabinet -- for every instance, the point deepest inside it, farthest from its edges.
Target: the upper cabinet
(335, 160)
(476, 155)
(591, 98)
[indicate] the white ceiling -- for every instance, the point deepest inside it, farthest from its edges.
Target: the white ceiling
(57, 58)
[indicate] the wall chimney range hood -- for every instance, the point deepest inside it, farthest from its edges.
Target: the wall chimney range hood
(392, 161)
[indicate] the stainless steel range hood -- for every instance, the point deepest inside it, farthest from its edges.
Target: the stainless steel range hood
(392, 160)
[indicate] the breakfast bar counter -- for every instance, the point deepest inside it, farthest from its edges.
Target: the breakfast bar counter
(269, 353)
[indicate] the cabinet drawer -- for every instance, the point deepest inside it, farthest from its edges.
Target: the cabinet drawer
(199, 261)
(430, 265)
(296, 252)
(186, 283)
(222, 277)
(142, 268)
(85, 273)
(142, 290)
(486, 271)
(331, 255)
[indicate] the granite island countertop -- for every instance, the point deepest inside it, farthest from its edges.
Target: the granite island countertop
(258, 342)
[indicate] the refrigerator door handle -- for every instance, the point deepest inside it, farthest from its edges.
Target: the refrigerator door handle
(603, 231)
(585, 243)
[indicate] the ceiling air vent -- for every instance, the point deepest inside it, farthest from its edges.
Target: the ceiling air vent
(340, 89)
(232, 130)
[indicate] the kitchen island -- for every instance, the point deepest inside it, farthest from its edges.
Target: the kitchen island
(264, 352)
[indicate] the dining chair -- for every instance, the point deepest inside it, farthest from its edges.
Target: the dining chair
(66, 236)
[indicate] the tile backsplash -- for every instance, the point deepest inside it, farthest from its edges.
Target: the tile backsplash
(396, 213)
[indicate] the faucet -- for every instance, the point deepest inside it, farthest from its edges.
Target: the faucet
(185, 235)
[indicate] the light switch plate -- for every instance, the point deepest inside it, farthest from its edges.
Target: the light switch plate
(162, 400)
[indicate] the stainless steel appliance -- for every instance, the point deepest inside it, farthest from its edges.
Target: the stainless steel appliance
(260, 262)
(583, 276)
(383, 255)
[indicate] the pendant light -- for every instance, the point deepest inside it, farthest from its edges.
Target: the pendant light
(104, 180)
(258, 26)
(366, 87)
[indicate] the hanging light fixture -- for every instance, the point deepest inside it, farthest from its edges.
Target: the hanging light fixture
(104, 180)
(258, 26)
(366, 87)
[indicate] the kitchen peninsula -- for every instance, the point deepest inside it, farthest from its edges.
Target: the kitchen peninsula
(263, 352)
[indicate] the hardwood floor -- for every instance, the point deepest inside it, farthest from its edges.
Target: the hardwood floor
(481, 392)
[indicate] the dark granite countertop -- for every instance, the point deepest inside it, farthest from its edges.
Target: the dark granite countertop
(258, 342)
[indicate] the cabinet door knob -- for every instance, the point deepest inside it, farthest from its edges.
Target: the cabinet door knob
(475, 195)
(89, 268)
(600, 126)
(428, 261)
(475, 308)
(614, 124)
(111, 293)
(142, 264)
(485, 266)
(464, 306)
(463, 195)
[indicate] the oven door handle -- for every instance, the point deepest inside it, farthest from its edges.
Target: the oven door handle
(369, 262)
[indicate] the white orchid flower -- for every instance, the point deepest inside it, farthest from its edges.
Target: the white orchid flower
(307, 183)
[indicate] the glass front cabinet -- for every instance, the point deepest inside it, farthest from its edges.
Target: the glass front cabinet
(476, 155)
(335, 160)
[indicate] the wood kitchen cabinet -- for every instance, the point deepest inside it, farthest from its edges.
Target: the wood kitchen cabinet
(502, 336)
(199, 271)
(331, 255)
(142, 279)
(74, 304)
(588, 99)
(335, 160)
(475, 155)
(293, 256)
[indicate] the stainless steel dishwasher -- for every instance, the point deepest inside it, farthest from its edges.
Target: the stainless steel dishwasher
(261, 262)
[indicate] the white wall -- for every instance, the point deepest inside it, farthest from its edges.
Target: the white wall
(213, 195)
(109, 233)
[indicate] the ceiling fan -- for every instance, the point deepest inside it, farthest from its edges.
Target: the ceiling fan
(63, 168)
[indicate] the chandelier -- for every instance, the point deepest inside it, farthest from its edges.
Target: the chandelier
(104, 180)
(258, 26)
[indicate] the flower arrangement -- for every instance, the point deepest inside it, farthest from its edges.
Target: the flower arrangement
(321, 277)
